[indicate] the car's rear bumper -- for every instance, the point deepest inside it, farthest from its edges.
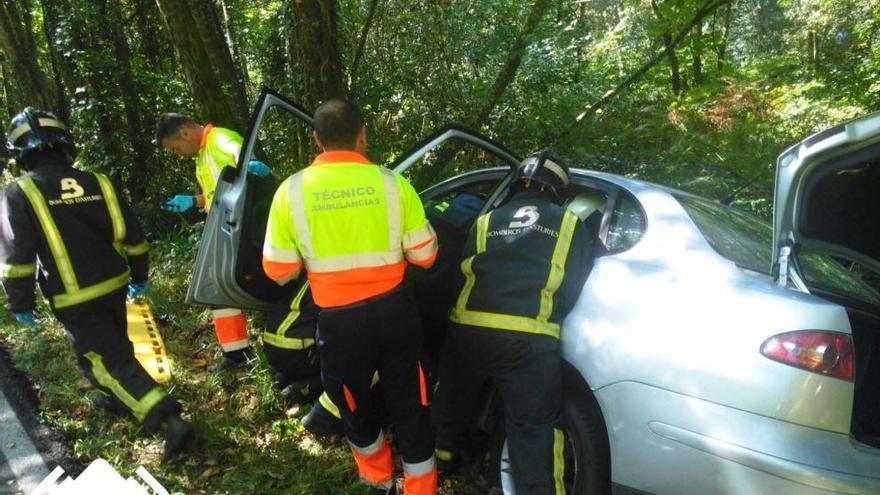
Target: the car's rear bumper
(664, 442)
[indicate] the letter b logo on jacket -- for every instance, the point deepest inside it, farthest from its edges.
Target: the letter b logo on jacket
(70, 188)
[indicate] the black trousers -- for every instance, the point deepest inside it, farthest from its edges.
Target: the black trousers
(98, 332)
(381, 334)
(528, 374)
(293, 364)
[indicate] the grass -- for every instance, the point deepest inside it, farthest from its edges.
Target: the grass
(252, 444)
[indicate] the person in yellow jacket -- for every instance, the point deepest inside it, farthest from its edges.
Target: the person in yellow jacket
(354, 226)
(213, 148)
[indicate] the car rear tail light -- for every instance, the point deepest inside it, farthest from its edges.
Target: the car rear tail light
(827, 353)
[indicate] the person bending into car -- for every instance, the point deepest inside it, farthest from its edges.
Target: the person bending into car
(289, 347)
(73, 232)
(524, 266)
(213, 149)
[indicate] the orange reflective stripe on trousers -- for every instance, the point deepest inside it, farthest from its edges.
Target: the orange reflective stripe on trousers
(420, 478)
(374, 462)
(231, 329)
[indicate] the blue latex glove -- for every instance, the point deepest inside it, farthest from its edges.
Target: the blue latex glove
(179, 203)
(27, 318)
(258, 168)
(136, 291)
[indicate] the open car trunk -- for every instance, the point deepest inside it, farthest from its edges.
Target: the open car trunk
(827, 234)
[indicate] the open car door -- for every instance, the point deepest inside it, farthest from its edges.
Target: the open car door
(459, 174)
(440, 159)
(228, 269)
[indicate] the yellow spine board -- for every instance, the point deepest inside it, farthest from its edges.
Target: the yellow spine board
(149, 349)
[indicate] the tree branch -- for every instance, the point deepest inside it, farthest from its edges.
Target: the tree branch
(705, 10)
(359, 53)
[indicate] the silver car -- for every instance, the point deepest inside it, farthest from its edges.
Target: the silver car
(709, 352)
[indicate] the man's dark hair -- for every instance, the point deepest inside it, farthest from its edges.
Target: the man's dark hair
(169, 124)
(337, 123)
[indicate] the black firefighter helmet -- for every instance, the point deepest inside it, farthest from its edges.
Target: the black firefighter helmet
(544, 168)
(37, 130)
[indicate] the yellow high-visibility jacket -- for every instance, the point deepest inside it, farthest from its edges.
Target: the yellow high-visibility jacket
(352, 224)
(219, 148)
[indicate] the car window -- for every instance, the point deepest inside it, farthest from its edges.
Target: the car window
(479, 188)
(626, 226)
(746, 240)
(739, 237)
(284, 142)
(840, 276)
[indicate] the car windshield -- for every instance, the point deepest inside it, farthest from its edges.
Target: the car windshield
(747, 241)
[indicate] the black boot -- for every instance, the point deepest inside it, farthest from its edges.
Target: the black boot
(322, 423)
(106, 402)
(231, 361)
(180, 437)
(302, 391)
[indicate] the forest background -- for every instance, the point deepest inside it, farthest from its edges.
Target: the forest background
(697, 94)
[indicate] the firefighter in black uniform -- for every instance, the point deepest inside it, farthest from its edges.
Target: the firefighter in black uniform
(70, 230)
(289, 347)
(524, 266)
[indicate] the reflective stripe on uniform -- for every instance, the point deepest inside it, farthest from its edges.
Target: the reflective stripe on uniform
(557, 265)
(230, 327)
(288, 342)
(419, 468)
(23, 128)
(137, 249)
(298, 213)
(113, 208)
(538, 325)
(278, 338)
(17, 271)
(279, 254)
(328, 404)
(140, 408)
(504, 322)
(558, 461)
(91, 292)
(374, 462)
(420, 478)
(418, 237)
(73, 294)
(470, 279)
(372, 448)
(392, 208)
(53, 237)
(352, 261)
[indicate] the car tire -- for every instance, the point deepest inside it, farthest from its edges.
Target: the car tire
(587, 457)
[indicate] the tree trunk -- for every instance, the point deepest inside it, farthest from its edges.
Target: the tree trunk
(30, 85)
(362, 41)
(50, 26)
(697, 54)
(314, 50)
(674, 73)
(146, 14)
(138, 135)
(725, 30)
(232, 39)
(514, 60)
(214, 80)
(813, 47)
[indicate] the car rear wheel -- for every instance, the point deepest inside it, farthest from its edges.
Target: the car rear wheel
(587, 462)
